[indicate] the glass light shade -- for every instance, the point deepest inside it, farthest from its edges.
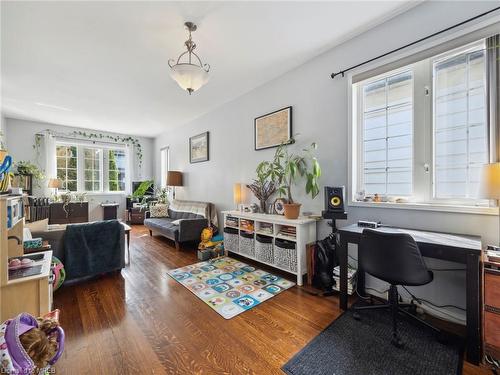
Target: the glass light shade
(189, 77)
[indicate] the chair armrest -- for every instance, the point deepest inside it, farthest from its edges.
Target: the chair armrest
(55, 239)
(190, 229)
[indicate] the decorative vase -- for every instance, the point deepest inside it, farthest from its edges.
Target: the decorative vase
(292, 210)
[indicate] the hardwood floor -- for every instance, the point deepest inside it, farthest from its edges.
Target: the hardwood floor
(143, 322)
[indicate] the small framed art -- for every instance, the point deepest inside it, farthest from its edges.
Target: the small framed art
(199, 148)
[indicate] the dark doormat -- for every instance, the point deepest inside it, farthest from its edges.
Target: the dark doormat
(351, 347)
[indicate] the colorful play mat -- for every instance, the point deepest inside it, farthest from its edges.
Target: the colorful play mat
(229, 286)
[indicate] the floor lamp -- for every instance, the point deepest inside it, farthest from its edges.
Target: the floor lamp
(174, 178)
(490, 186)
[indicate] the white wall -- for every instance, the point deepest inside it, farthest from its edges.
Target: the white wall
(320, 114)
(3, 125)
(21, 136)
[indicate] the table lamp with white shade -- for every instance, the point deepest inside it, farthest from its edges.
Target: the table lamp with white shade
(490, 184)
(54, 183)
(237, 195)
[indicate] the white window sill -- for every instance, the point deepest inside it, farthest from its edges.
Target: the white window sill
(95, 193)
(429, 207)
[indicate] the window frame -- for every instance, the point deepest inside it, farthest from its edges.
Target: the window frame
(360, 121)
(104, 172)
(423, 135)
(164, 158)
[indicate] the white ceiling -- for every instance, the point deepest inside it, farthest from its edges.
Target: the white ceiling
(103, 65)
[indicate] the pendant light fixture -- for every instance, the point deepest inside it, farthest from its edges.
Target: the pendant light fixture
(188, 70)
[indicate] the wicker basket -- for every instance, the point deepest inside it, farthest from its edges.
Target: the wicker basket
(264, 248)
(247, 244)
(285, 255)
(231, 242)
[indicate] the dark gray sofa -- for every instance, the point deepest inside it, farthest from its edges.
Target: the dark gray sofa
(88, 249)
(185, 222)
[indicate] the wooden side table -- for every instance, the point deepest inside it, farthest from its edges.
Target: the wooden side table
(137, 215)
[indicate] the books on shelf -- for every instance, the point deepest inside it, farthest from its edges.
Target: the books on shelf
(266, 228)
(351, 279)
(247, 225)
(288, 231)
(232, 222)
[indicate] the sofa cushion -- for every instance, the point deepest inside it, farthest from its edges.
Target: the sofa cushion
(176, 215)
(159, 210)
(162, 225)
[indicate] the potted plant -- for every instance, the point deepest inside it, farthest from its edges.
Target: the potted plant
(263, 187)
(28, 168)
(287, 168)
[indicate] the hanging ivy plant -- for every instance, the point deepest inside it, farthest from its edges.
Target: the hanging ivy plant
(78, 134)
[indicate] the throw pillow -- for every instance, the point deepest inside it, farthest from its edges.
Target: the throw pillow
(38, 226)
(159, 210)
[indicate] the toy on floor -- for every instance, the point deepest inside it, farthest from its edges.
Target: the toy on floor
(29, 345)
(208, 239)
(58, 272)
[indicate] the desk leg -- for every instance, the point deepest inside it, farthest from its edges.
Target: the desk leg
(473, 309)
(342, 254)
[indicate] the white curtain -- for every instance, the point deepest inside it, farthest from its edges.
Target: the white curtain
(48, 162)
(131, 169)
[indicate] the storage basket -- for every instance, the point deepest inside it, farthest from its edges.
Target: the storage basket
(231, 240)
(247, 246)
(264, 248)
(285, 255)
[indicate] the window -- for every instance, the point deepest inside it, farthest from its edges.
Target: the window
(421, 132)
(92, 172)
(116, 170)
(387, 134)
(460, 129)
(164, 160)
(89, 168)
(67, 163)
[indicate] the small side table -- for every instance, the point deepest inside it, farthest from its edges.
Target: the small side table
(109, 210)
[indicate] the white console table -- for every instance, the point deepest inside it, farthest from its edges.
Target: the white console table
(305, 229)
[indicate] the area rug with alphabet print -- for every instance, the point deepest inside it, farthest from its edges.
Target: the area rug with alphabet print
(229, 286)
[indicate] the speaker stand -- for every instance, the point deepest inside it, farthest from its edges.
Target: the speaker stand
(334, 215)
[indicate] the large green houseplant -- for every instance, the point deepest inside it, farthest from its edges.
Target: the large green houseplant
(287, 168)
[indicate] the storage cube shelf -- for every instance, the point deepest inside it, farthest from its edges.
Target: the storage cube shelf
(270, 239)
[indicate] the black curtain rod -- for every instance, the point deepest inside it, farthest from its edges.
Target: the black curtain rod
(342, 72)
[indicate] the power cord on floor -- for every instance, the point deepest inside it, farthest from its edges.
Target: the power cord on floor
(431, 303)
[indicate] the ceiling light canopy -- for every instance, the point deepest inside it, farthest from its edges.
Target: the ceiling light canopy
(188, 70)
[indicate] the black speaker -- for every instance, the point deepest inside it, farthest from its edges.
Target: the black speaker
(334, 198)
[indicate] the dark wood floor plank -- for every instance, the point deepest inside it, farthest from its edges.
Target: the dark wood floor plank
(143, 322)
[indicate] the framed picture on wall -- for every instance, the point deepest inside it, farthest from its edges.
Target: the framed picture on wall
(273, 129)
(198, 148)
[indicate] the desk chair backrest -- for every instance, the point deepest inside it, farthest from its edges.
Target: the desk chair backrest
(393, 257)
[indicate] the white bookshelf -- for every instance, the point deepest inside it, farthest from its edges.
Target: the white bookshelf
(305, 229)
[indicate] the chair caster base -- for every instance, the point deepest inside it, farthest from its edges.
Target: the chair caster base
(356, 316)
(397, 342)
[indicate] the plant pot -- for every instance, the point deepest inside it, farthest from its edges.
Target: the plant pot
(292, 210)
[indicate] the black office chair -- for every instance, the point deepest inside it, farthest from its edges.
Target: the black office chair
(395, 259)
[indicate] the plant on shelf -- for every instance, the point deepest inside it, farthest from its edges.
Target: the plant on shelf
(28, 168)
(287, 168)
(262, 187)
